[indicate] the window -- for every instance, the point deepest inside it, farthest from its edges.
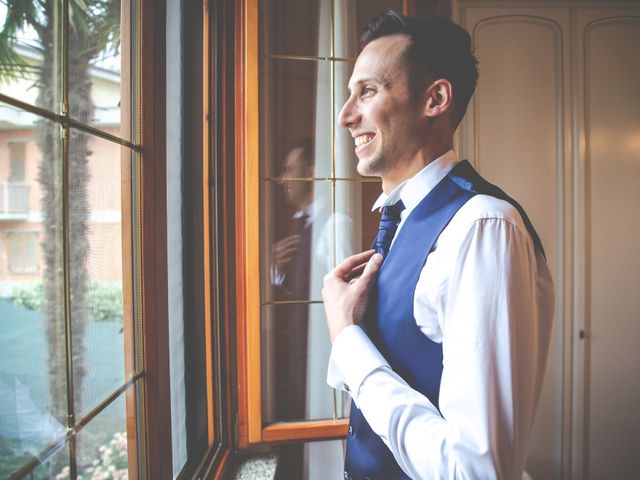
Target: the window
(22, 250)
(16, 162)
(304, 208)
(68, 371)
(125, 311)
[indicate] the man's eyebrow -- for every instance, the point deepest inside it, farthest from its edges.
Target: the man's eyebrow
(362, 80)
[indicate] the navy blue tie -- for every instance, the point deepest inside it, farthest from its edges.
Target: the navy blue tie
(389, 221)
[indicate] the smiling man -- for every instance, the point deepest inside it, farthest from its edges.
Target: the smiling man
(441, 332)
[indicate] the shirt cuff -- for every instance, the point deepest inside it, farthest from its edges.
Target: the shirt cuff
(277, 278)
(353, 358)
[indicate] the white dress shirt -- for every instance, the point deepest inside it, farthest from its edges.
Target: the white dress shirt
(487, 296)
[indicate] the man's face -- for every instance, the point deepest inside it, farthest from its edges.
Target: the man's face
(381, 114)
(297, 192)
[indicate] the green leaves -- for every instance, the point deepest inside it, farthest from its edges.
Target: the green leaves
(94, 29)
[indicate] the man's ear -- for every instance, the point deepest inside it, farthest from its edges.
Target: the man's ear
(439, 98)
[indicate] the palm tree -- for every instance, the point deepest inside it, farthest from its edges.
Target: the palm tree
(94, 27)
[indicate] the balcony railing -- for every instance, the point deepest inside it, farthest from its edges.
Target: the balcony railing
(14, 200)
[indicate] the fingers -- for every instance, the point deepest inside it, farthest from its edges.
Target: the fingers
(370, 270)
(288, 242)
(355, 273)
(344, 269)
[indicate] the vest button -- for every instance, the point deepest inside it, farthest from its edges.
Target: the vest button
(346, 475)
(350, 430)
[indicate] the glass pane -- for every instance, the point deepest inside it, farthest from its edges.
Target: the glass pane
(33, 387)
(345, 160)
(349, 214)
(292, 27)
(366, 10)
(30, 64)
(295, 352)
(55, 466)
(312, 460)
(95, 252)
(298, 235)
(102, 444)
(296, 113)
(95, 90)
(370, 220)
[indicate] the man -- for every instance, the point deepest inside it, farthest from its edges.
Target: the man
(441, 338)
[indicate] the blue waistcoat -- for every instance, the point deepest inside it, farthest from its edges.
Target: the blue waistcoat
(389, 321)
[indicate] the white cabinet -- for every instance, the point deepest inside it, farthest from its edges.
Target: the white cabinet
(556, 122)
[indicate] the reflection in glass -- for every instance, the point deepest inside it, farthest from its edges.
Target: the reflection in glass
(312, 460)
(30, 52)
(289, 114)
(295, 353)
(96, 268)
(33, 387)
(291, 27)
(94, 66)
(298, 231)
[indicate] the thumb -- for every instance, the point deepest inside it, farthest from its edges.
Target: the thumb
(370, 270)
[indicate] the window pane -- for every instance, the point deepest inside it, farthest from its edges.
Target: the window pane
(312, 460)
(295, 352)
(95, 251)
(30, 66)
(95, 90)
(102, 444)
(296, 112)
(55, 466)
(366, 10)
(291, 27)
(33, 386)
(298, 236)
(369, 220)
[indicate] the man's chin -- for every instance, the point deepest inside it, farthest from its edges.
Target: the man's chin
(367, 169)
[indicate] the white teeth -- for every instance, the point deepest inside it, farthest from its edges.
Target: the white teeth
(362, 139)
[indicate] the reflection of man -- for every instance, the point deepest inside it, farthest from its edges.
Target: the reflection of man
(443, 346)
(298, 260)
(291, 274)
(291, 254)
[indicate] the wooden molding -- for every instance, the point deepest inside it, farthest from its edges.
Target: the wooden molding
(247, 226)
(207, 134)
(154, 314)
(281, 432)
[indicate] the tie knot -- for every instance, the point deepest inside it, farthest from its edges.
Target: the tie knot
(392, 212)
(389, 221)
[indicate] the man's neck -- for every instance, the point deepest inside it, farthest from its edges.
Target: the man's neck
(402, 172)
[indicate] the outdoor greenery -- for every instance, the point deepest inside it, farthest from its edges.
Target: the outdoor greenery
(104, 300)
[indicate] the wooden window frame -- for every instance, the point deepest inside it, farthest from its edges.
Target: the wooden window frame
(251, 430)
(157, 454)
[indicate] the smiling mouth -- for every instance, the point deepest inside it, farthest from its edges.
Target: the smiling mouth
(362, 140)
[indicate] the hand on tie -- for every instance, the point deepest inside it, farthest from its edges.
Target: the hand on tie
(345, 295)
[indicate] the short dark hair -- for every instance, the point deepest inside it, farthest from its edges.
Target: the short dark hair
(307, 145)
(439, 48)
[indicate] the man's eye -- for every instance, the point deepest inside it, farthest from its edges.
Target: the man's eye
(367, 91)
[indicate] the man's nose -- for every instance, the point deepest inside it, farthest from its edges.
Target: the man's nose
(349, 115)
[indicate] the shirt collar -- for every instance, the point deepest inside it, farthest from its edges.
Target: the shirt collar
(414, 189)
